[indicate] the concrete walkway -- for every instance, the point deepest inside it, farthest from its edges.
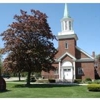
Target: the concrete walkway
(14, 79)
(50, 83)
(10, 80)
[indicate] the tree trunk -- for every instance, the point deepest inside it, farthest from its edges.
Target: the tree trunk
(19, 76)
(0, 71)
(28, 79)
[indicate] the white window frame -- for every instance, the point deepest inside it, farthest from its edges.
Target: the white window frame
(56, 72)
(68, 70)
(80, 71)
(66, 44)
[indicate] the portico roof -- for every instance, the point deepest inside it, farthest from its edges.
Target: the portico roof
(65, 55)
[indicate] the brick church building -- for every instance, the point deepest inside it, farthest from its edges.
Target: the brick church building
(71, 62)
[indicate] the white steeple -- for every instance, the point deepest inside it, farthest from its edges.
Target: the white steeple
(66, 23)
(66, 15)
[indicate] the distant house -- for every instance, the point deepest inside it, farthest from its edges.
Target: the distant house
(71, 62)
(97, 68)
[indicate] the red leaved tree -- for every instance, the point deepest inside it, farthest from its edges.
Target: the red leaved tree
(28, 42)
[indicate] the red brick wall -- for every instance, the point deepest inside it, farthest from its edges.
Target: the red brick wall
(51, 74)
(88, 70)
(79, 54)
(88, 67)
(67, 58)
(71, 46)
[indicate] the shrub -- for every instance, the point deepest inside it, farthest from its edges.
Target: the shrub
(37, 75)
(42, 81)
(52, 80)
(78, 81)
(93, 82)
(89, 82)
(96, 81)
(88, 79)
(32, 79)
(93, 87)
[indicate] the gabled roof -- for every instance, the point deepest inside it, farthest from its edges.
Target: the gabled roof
(74, 59)
(84, 52)
(66, 53)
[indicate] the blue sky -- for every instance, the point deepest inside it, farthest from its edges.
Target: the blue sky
(86, 20)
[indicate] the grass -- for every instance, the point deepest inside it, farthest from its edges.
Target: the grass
(47, 91)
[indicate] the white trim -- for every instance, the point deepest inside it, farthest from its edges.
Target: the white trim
(66, 36)
(74, 70)
(71, 72)
(66, 64)
(68, 55)
(84, 60)
(59, 70)
(84, 52)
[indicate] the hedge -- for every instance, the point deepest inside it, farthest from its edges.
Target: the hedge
(93, 87)
(46, 81)
(52, 80)
(78, 81)
(88, 79)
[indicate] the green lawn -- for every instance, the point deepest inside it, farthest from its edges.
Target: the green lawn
(47, 91)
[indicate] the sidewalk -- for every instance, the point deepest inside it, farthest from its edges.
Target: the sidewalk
(10, 80)
(14, 79)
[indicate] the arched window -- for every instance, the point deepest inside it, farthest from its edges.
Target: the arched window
(67, 63)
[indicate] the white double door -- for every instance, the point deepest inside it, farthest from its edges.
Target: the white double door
(67, 73)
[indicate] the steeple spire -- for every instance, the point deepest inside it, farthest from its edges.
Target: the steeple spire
(66, 15)
(66, 23)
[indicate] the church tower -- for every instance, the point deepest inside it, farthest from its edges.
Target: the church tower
(71, 62)
(67, 38)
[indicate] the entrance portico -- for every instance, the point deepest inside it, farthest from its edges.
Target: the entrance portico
(66, 71)
(67, 68)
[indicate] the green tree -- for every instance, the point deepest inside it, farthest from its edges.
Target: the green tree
(98, 58)
(0, 61)
(29, 43)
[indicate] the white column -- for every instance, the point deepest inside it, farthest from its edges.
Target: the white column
(59, 70)
(74, 70)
